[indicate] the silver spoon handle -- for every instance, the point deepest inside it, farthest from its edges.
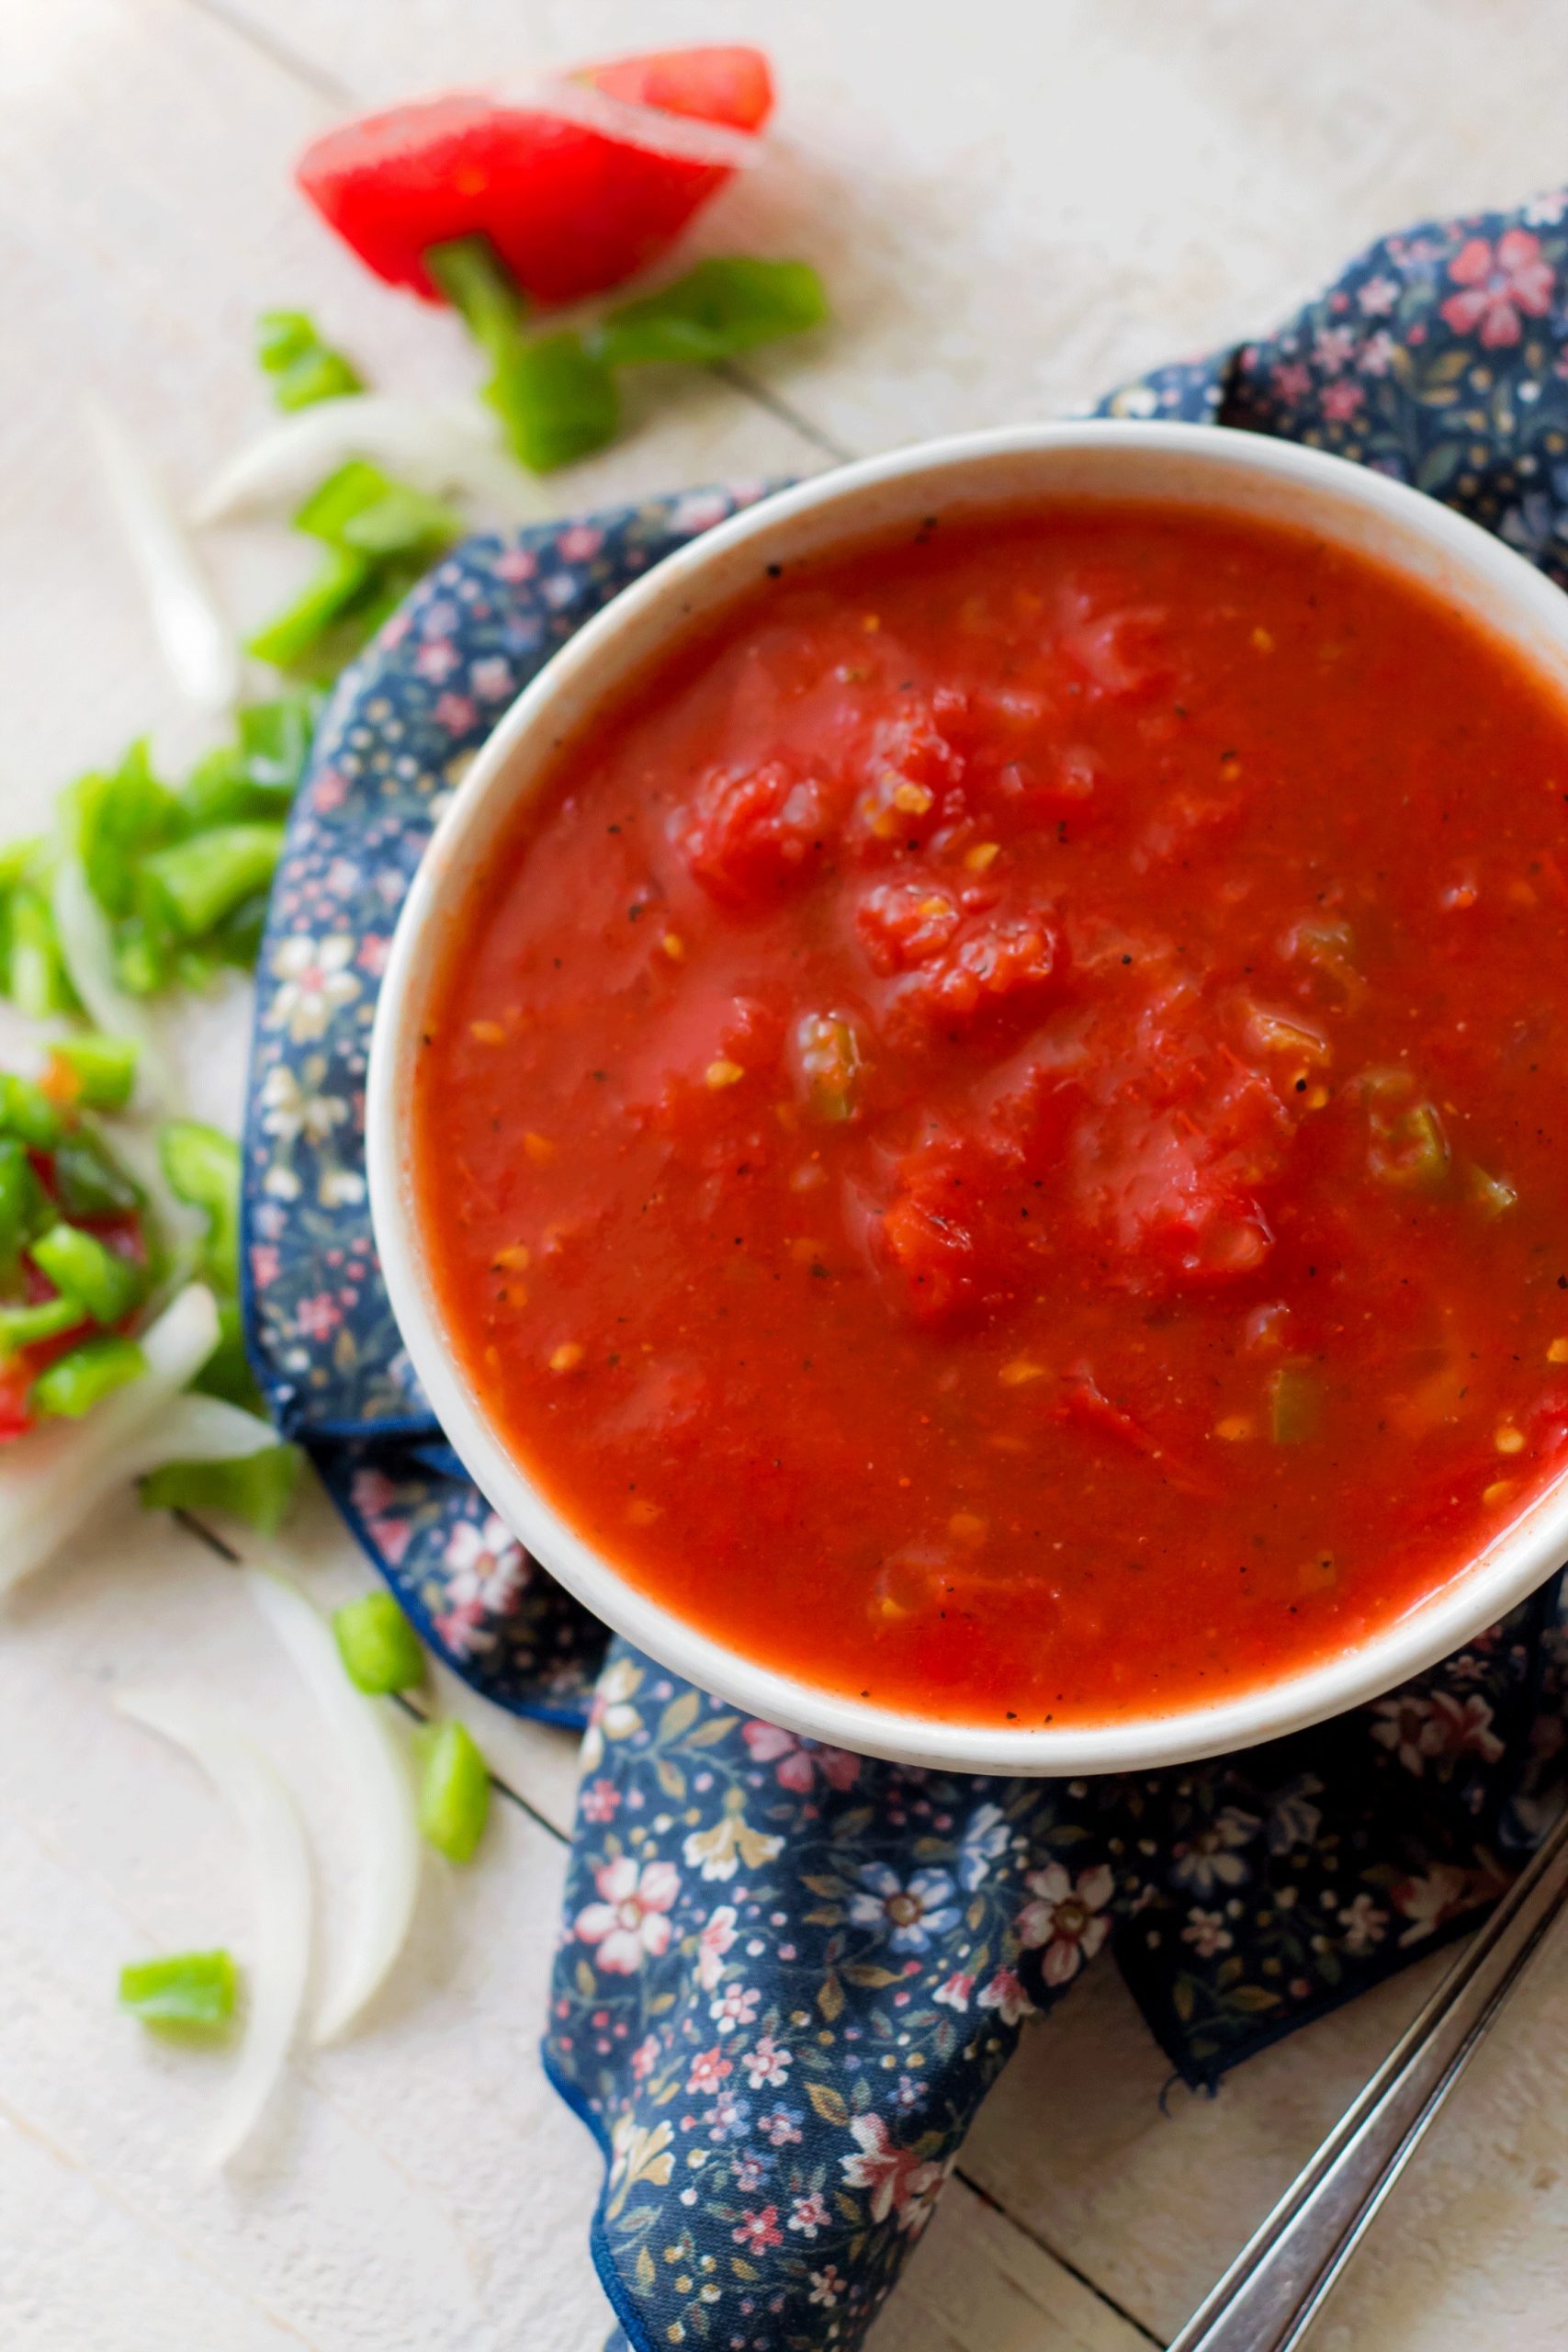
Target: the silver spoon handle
(1273, 2289)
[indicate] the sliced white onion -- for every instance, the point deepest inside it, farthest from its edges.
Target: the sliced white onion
(687, 138)
(198, 647)
(387, 1835)
(250, 1790)
(89, 959)
(51, 1478)
(440, 447)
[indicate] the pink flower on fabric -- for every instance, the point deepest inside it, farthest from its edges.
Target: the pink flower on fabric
(1067, 1918)
(317, 1318)
(1005, 1993)
(717, 1935)
(1498, 283)
(516, 565)
(767, 2064)
(810, 2215)
(630, 1921)
(599, 1800)
(579, 544)
(758, 2231)
(709, 2068)
(1340, 401)
(437, 662)
(456, 713)
(265, 1262)
(954, 1991)
(799, 1761)
(900, 2183)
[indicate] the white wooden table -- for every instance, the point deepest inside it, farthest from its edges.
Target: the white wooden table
(1015, 203)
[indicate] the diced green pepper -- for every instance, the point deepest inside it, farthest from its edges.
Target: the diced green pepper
(89, 1182)
(343, 577)
(116, 819)
(718, 309)
(201, 1167)
(187, 1989)
(1493, 1195)
(201, 879)
(557, 401)
(454, 1792)
(102, 1070)
(1406, 1148)
(103, 1285)
(1295, 1404)
(24, 1206)
(36, 978)
(26, 1326)
(360, 506)
(26, 1112)
(77, 1381)
(227, 1371)
(829, 1063)
(256, 1488)
(379, 1647)
(303, 367)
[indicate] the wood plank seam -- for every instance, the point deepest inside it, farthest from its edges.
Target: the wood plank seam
(215, 1543)
(1063, 2262)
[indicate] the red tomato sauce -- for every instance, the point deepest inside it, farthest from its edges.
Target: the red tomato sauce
(998, 1137)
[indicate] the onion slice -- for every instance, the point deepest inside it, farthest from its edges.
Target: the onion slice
(686, 138)
(85, 942)
(51, 1478)
(438, 447)
(386, 1832)
(202, 657)
(250, 1790)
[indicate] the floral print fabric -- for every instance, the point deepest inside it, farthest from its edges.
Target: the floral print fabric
(787, 1975)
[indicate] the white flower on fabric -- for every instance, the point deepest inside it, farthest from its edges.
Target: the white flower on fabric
(1067, 1918)
(316, 983)
(488, 1565)
(288, 1111)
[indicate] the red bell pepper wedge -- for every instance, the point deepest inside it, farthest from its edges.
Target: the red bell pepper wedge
(573, 200)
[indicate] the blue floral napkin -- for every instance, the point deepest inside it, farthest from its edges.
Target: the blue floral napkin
(787, 1975)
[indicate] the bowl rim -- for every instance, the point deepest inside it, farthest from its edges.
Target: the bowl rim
(1521, 1557)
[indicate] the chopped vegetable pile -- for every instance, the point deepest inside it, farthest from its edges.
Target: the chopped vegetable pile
(122, 1349)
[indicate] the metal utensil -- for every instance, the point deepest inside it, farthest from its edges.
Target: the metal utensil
(1275, 2288)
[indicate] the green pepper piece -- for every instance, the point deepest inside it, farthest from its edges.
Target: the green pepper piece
(1406, 1150)
(77, 1381)
(303, 367)
(360, 506)
(36, 978)
(26, 1326)
(723, 307)
(89, 1182)
(201, 1167)
(454, 1792)
(556, 398)
(1295, 1404)
(24, 1206)
(189, 1990)
(101, 1283)
(103, 1068)
(227, 1371)
(256, 1488)
(829, 1063)
(1493, 1195)
(201, 879)
(27, 1112)
(342, 577)
(115, 819)
(379, 1647)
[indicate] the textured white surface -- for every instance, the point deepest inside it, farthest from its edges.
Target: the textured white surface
(1012, 212)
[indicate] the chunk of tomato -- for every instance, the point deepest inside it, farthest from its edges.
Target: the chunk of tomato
(746, 834)
(572, 207)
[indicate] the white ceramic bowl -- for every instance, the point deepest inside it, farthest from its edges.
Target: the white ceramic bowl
(1241, 473)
